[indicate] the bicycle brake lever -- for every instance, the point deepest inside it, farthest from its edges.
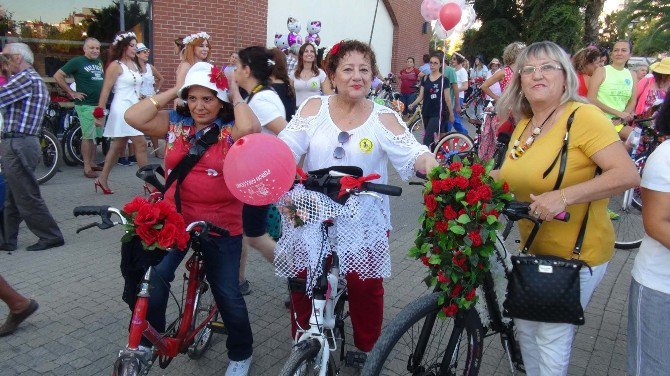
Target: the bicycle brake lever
(358, 193)
(80, 229)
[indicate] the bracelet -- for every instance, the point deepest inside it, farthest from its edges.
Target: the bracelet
(155, 102)
(238, 102)
(563, 198)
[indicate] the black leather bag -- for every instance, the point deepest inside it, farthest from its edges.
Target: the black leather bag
(547, 288)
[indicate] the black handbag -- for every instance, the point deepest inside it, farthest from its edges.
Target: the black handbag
(547, 288)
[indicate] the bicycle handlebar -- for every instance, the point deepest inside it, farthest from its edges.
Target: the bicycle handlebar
(329, 181)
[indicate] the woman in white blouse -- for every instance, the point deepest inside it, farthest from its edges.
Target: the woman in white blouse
(346, 129)
(308, 79)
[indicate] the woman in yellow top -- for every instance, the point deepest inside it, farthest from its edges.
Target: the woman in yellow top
(613, 88)
(543, 94)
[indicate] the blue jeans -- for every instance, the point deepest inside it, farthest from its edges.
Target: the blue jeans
(458, 125)
(407, 99)
(221, 256)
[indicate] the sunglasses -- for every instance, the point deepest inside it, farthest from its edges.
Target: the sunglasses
(342, 138)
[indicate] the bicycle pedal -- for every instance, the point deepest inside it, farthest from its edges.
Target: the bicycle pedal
(217, 327)
(355, 359)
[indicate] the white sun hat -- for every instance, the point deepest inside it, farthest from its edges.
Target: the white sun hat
(206, 75)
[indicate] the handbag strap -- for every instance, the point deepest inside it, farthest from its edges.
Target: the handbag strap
(190, 159)
(576, 251)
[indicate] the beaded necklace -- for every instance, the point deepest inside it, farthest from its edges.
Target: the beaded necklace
(519, 149)
(132, 73)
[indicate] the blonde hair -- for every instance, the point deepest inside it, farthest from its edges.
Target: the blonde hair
(189, 50)
(514, 99)
(511, 52)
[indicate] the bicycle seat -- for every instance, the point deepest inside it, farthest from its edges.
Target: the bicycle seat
(149, 174)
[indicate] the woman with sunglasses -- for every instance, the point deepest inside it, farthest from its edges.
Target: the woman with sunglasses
(346, 129)
(209, 107)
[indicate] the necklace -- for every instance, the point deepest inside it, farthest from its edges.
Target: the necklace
(132, 73)
(519, 149)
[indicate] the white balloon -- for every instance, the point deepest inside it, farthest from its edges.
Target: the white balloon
(468, 19)
(460, 3)
(440, 33)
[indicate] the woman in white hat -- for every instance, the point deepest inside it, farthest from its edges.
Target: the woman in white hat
(651, 91)
(209, 107)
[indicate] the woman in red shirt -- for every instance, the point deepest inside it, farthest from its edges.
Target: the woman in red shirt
(203, 192)
(408, 79)
(585, 62)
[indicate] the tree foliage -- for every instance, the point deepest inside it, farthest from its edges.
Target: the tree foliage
(649, 25)
(105, 22)
(558, 21)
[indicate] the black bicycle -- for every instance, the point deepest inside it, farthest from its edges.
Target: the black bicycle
(416, 342)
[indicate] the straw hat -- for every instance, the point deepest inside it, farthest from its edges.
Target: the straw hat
(662, 67)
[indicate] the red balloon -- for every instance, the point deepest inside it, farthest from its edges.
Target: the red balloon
(259, 169)
(450, 15)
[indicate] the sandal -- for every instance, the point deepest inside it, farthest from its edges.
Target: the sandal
(15, 319)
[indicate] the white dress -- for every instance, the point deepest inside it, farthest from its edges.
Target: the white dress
(148, 81)
(126, 94)
(363, 247)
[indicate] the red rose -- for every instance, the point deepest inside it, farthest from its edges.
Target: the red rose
(459, 260)
(470, 295)
(475, 182)
(437, 186)
(476, 238)
(441, 278)
(505, 187)
(134, 205)
(456, 290)
(478, 169)
(494, 213)
(485, 193)
(455, 166)
(425, 259)
(147, 215)
(182, 240)
(448, 184)
(480, 266)
(436, 250)
(335, 49)
(216, 76)
(167, 236)
(449, 213)
(167, 209)
(472, 197)
(461, 182)
(147, 234)
(98, 113)
(441, 226)
(450, 310)
(431, 203)
(461, 212)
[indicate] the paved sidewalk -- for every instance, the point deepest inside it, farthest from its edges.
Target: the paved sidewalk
(82, 321)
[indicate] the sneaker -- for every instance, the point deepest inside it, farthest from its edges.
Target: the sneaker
(239, 368)
(123, 161)
(132, 160)
(613, 216)
(245, 287)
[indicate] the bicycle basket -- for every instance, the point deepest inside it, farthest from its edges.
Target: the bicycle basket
(134, 263)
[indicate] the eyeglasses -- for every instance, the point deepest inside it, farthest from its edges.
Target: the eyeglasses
(544, 69)
(342, 138)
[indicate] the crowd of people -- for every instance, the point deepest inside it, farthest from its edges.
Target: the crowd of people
(321, 110)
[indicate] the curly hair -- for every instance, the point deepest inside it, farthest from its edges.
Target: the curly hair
(345, 47)
(511, 52)
(584, 57)
(189, 50)
(116, 50)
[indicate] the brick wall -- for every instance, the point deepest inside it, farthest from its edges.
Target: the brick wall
(238, 23)
(232, 24)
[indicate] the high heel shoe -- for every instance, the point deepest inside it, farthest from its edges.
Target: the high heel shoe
(104, 189)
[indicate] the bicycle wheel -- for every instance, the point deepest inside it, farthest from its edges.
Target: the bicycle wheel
(303, 360)
(50, 157)
(126, 366)
(416, 342)
(626, 214)
(204, 302)
(451, 144)
(69, 138)
(417, 129)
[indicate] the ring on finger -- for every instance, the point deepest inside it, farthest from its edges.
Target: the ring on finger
(536, 213)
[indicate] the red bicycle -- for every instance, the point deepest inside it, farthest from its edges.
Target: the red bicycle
(192, 331)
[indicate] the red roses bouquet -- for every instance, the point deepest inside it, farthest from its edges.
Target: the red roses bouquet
(462, 206)
(157, 224)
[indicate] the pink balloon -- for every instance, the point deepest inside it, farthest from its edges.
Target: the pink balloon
(259, 169)
(450, 15)
(430, 9)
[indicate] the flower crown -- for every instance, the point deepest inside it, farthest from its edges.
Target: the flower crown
(123, 36)
(195, 36)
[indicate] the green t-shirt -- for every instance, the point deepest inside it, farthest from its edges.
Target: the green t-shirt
(88, 75)
(450, 74)
(616, 89)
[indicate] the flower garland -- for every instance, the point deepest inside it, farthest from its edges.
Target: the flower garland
(123, 36)
(158, 225)
(458, 234)
(190, 38)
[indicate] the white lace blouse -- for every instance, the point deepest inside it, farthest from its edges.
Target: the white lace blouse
(371, 145)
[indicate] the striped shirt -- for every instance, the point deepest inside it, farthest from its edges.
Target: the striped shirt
(23, 101)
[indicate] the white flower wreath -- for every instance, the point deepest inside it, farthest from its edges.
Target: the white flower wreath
(195, 36)
(123, 36)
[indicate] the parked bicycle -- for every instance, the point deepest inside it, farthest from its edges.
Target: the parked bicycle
(474, 108)
(416, 342)
(415, 124)
(316, 347)
(626, 208)
(387, 96)
(51, 156)
(191, 333)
